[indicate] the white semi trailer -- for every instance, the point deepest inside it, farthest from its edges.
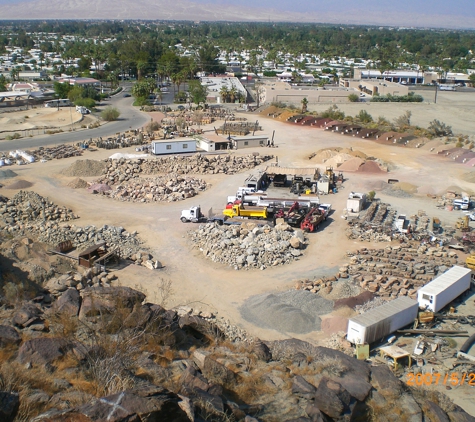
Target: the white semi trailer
(382, 321)
(444, 288)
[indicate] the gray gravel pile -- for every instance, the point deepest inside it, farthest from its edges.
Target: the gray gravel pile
(28, 207)
(397, 193)
(169, 189)
(118, 171)
(248, 246)
(294, 311)
(7, 174)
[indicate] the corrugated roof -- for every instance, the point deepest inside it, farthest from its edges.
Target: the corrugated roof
(384, 311)
(445, 280)
(294, 171)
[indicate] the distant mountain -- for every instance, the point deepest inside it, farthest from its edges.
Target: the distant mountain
(344, 12)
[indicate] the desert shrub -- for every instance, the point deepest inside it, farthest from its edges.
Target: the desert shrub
(333, 112)
(278, 104)
(353, 98)
(364, 117)
(437, 129)
(14, 136)
(109, 114)
(403, 120)
(152, 126)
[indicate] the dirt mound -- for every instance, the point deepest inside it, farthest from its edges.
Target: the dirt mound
(7, 174)
(85, 168)
(370, 167)
(406, 187)
(334, 324)
(338, 159)
(78, 183)
(353, 164)
(20, 184)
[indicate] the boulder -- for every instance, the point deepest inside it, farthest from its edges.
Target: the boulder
(105, 300)
(8, 335)
(355, 385)
(314, 413)
(192, 379)
(44, 350)
(331, 398)
(217, 372)
(142, 404)
(434, 413)
(261, 350)
(68, 303)
(199, 327)
(385, 381)
(27, 315)
(295, 242)
(302, 388)
(9, 405)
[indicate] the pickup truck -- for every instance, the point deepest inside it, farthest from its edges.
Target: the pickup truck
(326, 209)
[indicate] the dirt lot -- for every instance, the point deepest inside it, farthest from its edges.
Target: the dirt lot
(36, 120)
(207, 286)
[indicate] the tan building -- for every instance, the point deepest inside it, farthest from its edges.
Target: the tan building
(374, 86)
(286, 93)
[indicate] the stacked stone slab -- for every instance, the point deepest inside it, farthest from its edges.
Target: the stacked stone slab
(248, 246)
(169, 189)
(123, 169)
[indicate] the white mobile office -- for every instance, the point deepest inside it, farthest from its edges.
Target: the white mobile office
(381, 321)
(173, 146)
(444, 288)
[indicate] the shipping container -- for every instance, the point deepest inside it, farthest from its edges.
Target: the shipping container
(382, 321)
(173, 146)
(444, 288)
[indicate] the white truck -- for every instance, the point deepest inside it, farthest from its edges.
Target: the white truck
(444, 288)
(462, 203)
(326, 209)
(193, 215)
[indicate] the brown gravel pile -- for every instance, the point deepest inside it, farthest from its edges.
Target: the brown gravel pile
(85, 168)
(78, 183)
(20, 184)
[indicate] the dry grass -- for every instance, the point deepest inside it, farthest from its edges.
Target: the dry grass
(330, 366)
(253, 386)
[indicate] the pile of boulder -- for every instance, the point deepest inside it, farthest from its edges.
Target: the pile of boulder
(28, 207)
(169, 189)
(124, 169)
(376, 224)
(249, 246)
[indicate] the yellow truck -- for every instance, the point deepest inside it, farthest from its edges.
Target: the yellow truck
(247, 212)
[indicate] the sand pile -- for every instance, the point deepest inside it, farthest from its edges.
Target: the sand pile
(469, 177)
(353, 164)
(85, 168)
(7, 174)
(78, 183)
(338, 159)
(20, 184)
(334, 324)
(294, 311)
(324, 154)
(406, 187)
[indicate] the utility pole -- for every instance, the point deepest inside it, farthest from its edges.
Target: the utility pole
(435, 98)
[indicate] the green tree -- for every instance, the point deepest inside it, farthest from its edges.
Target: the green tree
(3, 83)
(471, 78)
(197, 92)
(364, 117)
(109, 114)
(304, 105)
(353, 98)
(62, 89)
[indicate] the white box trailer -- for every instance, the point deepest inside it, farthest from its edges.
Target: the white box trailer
(444, 288)
(382, 321)
(173, 146)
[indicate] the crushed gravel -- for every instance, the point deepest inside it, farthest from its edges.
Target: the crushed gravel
(85, 168)
(7, 174)
(293, 311)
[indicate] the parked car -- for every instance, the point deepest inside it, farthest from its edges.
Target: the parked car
(181, 107)
(126, 95)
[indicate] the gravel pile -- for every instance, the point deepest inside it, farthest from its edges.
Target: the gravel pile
(287, 312)
(29, 207)
(118, 171)
(396, 192)
(169, 189)
(78, 183)
(85, 168)
(248, 246)
(7, 174)
(19, 184)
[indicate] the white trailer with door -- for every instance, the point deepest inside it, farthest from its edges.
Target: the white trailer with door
(444, 288)
(173, 146)
(382, 321)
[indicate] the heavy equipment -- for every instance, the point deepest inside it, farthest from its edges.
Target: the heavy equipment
(248, 212)
(293, 216)
(312, 220)
(462, 223)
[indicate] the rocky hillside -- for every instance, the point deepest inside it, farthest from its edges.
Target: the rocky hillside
(103, 353)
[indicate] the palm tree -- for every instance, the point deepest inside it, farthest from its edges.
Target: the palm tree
(224, 93)
(233, 93)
